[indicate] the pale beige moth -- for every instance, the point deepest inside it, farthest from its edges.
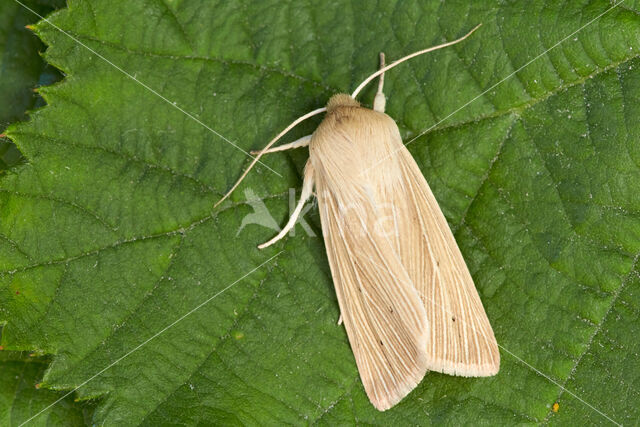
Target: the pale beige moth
(406, 297)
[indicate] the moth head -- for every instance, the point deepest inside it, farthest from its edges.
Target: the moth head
(341, 100)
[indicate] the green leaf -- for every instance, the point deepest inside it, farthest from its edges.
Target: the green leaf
(20, 396)
(21, 68)
(109, 236)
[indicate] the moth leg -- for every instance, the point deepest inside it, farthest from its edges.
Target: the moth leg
(340, 320)
(307, 188)
(302, 142)
(380, 101)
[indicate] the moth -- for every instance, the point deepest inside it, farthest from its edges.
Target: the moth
(406, 297)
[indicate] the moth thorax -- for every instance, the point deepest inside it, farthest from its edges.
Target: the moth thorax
(341, 100)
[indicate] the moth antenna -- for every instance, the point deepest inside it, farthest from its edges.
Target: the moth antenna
(401, 60)
(382, 65)
(261, 153)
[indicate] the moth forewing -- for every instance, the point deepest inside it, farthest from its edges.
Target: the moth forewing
(461, 340)
(385, 319)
